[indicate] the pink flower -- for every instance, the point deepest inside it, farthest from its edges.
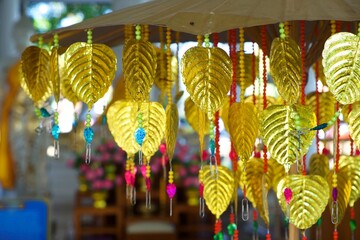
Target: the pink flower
(118, 157)
(96, 185)
(99, 172)
(101, 148)
(105, 157)
(110, 145)
(182, 172)
(194, 169)
(107, 184)
(70, 163)
(90, 175)
(84, 168)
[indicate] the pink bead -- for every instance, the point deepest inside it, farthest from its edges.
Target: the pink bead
(132, 180)
(201, 190)
(148, 183)
(288, 195)
(257, 154)
(162, 148)
(205, 155)
(233, 155)
(171, 190)
(128, 177)
(325, 151)
(143, 170)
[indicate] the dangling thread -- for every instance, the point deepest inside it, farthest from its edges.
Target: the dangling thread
(55, 132)
(88, 136)
(139, 135)
(352, 223)
(286, 223)
(132, 183)
(334, 206)
(245, 206)
(304, 236)
(74, 125)
(317, 99)
(148, 186)
(103, 123)
(318, 229)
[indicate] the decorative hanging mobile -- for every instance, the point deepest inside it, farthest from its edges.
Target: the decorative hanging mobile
(172, 122)
(35, 79)
(91, 69)
(55, 78)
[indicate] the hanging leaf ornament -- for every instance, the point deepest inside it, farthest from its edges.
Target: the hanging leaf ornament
(346, 110)
(248, 78)
(310, 194)
(91, 69)
(139, 65)
(197, 120)
(280, 135)
(122, 122)
(343, 192)
(319, 165)
(256, 189)
(66, 88)
(352, 163)
(354, 125)
(326, 106)
(172, 125)
(341, 63)
(36, 73)
(207, 76)
(285, 68)
(244, 128)
(218, 190)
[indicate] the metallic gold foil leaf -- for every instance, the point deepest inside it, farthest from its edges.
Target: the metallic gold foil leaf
(344, 189)
(224, 112)
(197, 120)
(218, 189)
(278, 129)
(66, 88)
(341, 63)
(354, 125)
(252, 177)
(259, 101)
(207, 76)
(161, 79)
(353, 165)
(277, 173)
(248, 69)
(319, 165)
(310, 196)
(36, 73)
(172, 124)
(326, 106)
(139, 66)
(346, 110)
(55, 73)
(91, 69)
(285, 68)
(122, 122)
(244, 128)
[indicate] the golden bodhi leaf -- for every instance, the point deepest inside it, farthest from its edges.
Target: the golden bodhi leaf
(278, 129)
(248, 69)
(285, 68)
(55, 73)
(139, 66)
(224, 112)
(319, 165)
(310, 195)
(91, 69)
(36, 73)
(207, 76)
(353, 165)
(218, 189)
(244, 128)
(66, 88)
(354, 125)
(197, 120)
(326, 106)
(172, 124)
(346, 109)
(122, 122)
(344, 189)
(341, 63)
(257, 185)
(277, 173)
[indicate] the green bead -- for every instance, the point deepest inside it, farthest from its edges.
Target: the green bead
(286, 222)
(137, 27)
(337, 114)
(330, 123)
(297, 116)
(231, 228)
(88, 116)
(281, 25)
(282, 35)
(352, 225)
(138, 37)
(255, 225)
(319, 221)
(282, 30)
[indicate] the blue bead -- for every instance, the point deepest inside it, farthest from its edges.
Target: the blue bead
(140, 134)
(88, 135)
(103, 120)
(75, 123)
(212, 147)
(44, 112)
(55, 131)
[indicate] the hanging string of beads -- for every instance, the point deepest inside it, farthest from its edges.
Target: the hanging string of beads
(132, 181)
(201, 193)
(264, 77)
(103, 123)
(55, 130)
(218, 230)
(177, 82)
(168, 63)
(317, 102)
(304, 236)
(242, 64)
(171, 188)
(255, 225)
(352, 222)
(253, 72)
(231, 228)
